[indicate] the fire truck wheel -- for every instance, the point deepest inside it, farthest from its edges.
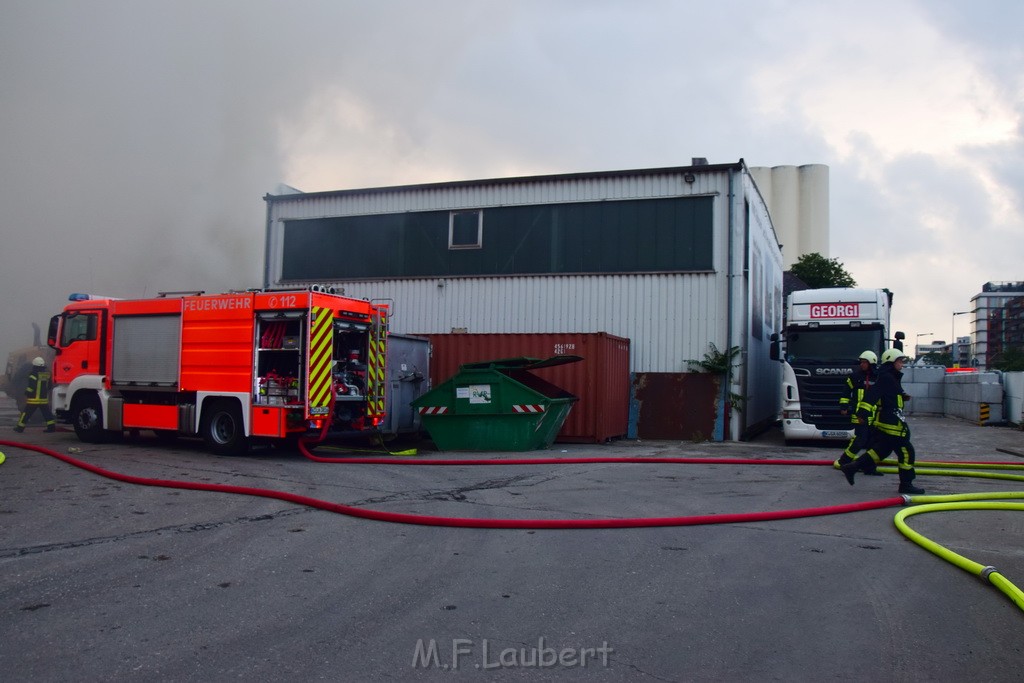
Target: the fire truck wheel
(223, 430)
(87, 417)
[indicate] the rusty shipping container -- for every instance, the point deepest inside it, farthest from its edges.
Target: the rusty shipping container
(601, 380)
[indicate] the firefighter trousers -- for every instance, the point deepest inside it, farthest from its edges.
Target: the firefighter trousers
(882, 445)
(30, 409)
(861, 435)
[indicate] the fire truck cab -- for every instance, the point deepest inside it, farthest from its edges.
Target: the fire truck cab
(225, 367)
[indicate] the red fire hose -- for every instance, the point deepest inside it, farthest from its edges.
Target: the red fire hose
(463, 522)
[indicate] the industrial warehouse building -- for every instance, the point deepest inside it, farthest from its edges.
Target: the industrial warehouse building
(673, 259)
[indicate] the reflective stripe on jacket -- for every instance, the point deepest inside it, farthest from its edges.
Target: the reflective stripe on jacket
(38, 390)
(856, 384)
(885, 397)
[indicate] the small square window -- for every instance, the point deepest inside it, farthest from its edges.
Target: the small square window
(465, 230)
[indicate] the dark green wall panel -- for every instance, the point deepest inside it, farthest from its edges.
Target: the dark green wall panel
(590, 237)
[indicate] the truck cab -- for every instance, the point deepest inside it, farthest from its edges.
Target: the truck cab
(825, 332)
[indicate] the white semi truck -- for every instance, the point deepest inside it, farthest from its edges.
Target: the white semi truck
(825, 331)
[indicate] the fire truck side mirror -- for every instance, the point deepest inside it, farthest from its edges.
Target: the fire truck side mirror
(773, 350)
(899, 337)
(51, 333)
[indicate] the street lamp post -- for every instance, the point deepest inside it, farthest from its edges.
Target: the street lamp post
(917, 344)
(953, 350)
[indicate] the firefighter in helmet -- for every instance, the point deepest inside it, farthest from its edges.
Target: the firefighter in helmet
(856, 384)
(37, 395)
(890, 431)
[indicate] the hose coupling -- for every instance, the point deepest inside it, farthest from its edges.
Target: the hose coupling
(986, 572)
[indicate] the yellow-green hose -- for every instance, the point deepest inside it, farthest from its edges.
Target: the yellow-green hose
(987, 573)
(971, 465)
(965, 497)
(958, 473)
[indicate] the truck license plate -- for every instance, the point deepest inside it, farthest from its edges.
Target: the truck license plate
(835, 435)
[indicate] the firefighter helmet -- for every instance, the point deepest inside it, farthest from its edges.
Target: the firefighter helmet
(869, 356)
(38, 361)
(892, 354)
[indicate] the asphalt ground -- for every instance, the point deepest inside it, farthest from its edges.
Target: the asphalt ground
(107, 581)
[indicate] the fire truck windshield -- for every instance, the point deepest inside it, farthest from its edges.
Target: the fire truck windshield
(825, 345)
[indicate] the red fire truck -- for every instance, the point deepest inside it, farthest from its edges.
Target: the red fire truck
(226, 367)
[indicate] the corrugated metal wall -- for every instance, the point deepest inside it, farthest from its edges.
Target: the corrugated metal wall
(493, 193)
(762, 377)
(497, 193)
(669, 317)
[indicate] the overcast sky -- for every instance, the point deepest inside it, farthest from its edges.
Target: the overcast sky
(138, 138)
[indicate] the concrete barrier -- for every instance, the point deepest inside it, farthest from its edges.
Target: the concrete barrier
(968, 395)
(927, 387)
(1013, 390)
(966, 392)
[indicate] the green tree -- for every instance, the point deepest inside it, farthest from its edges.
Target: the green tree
(818, 271)
(935, 358)
(1010, 360)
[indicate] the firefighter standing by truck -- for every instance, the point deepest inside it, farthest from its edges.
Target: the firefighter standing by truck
(890, 431)
(856, 384)
(37, 396)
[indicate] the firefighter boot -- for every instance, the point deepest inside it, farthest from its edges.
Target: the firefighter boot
(848, 470)
(19, 429)
(851, 468)
(871, 468)
(842, 460)
(907, 483)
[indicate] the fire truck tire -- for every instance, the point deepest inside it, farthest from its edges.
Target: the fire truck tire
(87, 417)
(223, 429)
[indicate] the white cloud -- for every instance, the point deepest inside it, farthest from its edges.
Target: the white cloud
(891, 78)
(158, 128)
(907, 112)
(913, 115)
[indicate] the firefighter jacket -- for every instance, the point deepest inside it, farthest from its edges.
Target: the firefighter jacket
(37, 392)
(885, 397)
(856, 385)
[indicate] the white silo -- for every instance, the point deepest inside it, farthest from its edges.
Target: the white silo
(798, 202)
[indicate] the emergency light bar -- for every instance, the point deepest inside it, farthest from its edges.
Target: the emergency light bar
(78, 296)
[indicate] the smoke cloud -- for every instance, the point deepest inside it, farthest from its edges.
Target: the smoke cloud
(139, 137)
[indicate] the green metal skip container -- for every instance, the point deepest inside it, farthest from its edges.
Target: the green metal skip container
(496, 405)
